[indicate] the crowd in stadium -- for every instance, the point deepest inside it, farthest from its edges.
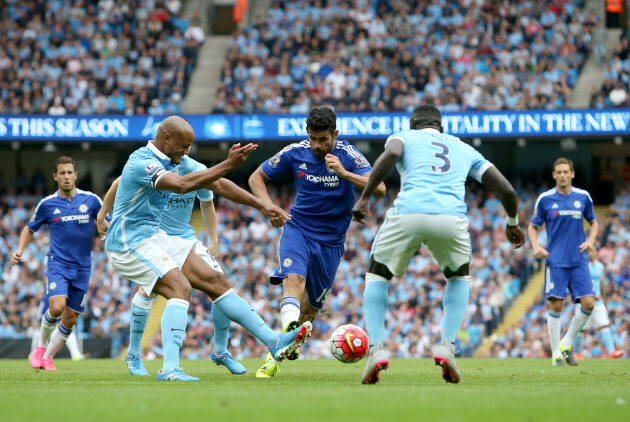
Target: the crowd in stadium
(247, 250)
(66, 57)
(615, 90)
(459, 56)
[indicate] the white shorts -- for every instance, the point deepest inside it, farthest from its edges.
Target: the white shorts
(207, 257)
(598, 318)
(151, 259)
(401, 235)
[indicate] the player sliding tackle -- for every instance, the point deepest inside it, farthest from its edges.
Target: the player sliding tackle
(430, 210)
(168, 265)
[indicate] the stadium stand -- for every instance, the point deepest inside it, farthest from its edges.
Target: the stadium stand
(466, 56)
(98, 57)
(615, 90)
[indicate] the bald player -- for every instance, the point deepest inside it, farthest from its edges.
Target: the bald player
(168, 265)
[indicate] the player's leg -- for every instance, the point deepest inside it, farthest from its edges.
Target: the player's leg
(556, 282)
(221, 323)
(216, 285)
(448, 240)
(600, 321)
(394, 244)
(77, 285)
(581, 288)
(140, 310)
(73, 346)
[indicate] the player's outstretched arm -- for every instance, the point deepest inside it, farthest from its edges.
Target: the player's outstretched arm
(108, 203)
(257, 183)
(25, 238)
(232, 192)
(382, 167)
(209, 216)
(493, 179)
(202, 179)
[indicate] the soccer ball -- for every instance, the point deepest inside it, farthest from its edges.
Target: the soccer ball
(349, 343)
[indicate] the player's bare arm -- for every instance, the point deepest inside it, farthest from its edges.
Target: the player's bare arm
(592, 236)
(493, 179)
(108, 203)
(232, 192)
(257, 183)
(360, 181)
(201, 179)
(539, 251)
(209, 216)
(25, 238)
(382, 167)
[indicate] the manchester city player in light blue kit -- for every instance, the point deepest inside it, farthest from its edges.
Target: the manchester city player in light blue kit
(176, 222)
(326, 172)
(599, 317)
(69, 214)
(429, 210)
(168, 265)
(562, 210)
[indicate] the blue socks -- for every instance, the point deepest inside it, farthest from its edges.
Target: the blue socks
(374, 306)
(140, 310)
(454, 303)
(238, 310)
(607, 340)
(174, 321)
(221, 330)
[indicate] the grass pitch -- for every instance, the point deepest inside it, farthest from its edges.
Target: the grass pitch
(319, 390)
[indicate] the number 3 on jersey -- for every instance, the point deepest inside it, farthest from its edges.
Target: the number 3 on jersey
(442, 155)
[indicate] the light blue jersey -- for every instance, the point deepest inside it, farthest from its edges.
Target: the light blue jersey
(597, 274)
(176, 217)
(139, 206)
(433, 169)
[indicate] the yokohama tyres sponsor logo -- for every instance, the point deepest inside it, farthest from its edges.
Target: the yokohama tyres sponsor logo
(322, 179)
(81, 218)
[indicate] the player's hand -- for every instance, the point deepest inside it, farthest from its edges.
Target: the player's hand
(360, 209)
(238, 154)
(515, 235)
(334, 164)
(276, 215)
(16, 257)
(587, 246)
(213, 248)
(540, 252)
(102, 226)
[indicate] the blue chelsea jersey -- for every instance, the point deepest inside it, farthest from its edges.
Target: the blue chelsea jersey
(70, 222)
(139, 205)
(323, 202)
(433, 170)
(563, 217)
(178, 211)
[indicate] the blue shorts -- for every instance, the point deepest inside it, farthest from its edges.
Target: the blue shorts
(315, 261)
(577, 279)
(69, 282)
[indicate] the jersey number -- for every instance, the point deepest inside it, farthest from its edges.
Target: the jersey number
(323, 296)
(442, 156)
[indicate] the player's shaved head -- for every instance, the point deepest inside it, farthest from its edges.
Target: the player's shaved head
(174, 125)
(174, 137)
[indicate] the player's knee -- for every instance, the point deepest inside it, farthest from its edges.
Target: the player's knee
(587, 303)
(462, 271)
(69, 318)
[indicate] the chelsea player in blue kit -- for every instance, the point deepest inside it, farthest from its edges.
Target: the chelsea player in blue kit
(429, 210)
(168, 265)
(69, 214)
(326, 172)
(562, 211)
